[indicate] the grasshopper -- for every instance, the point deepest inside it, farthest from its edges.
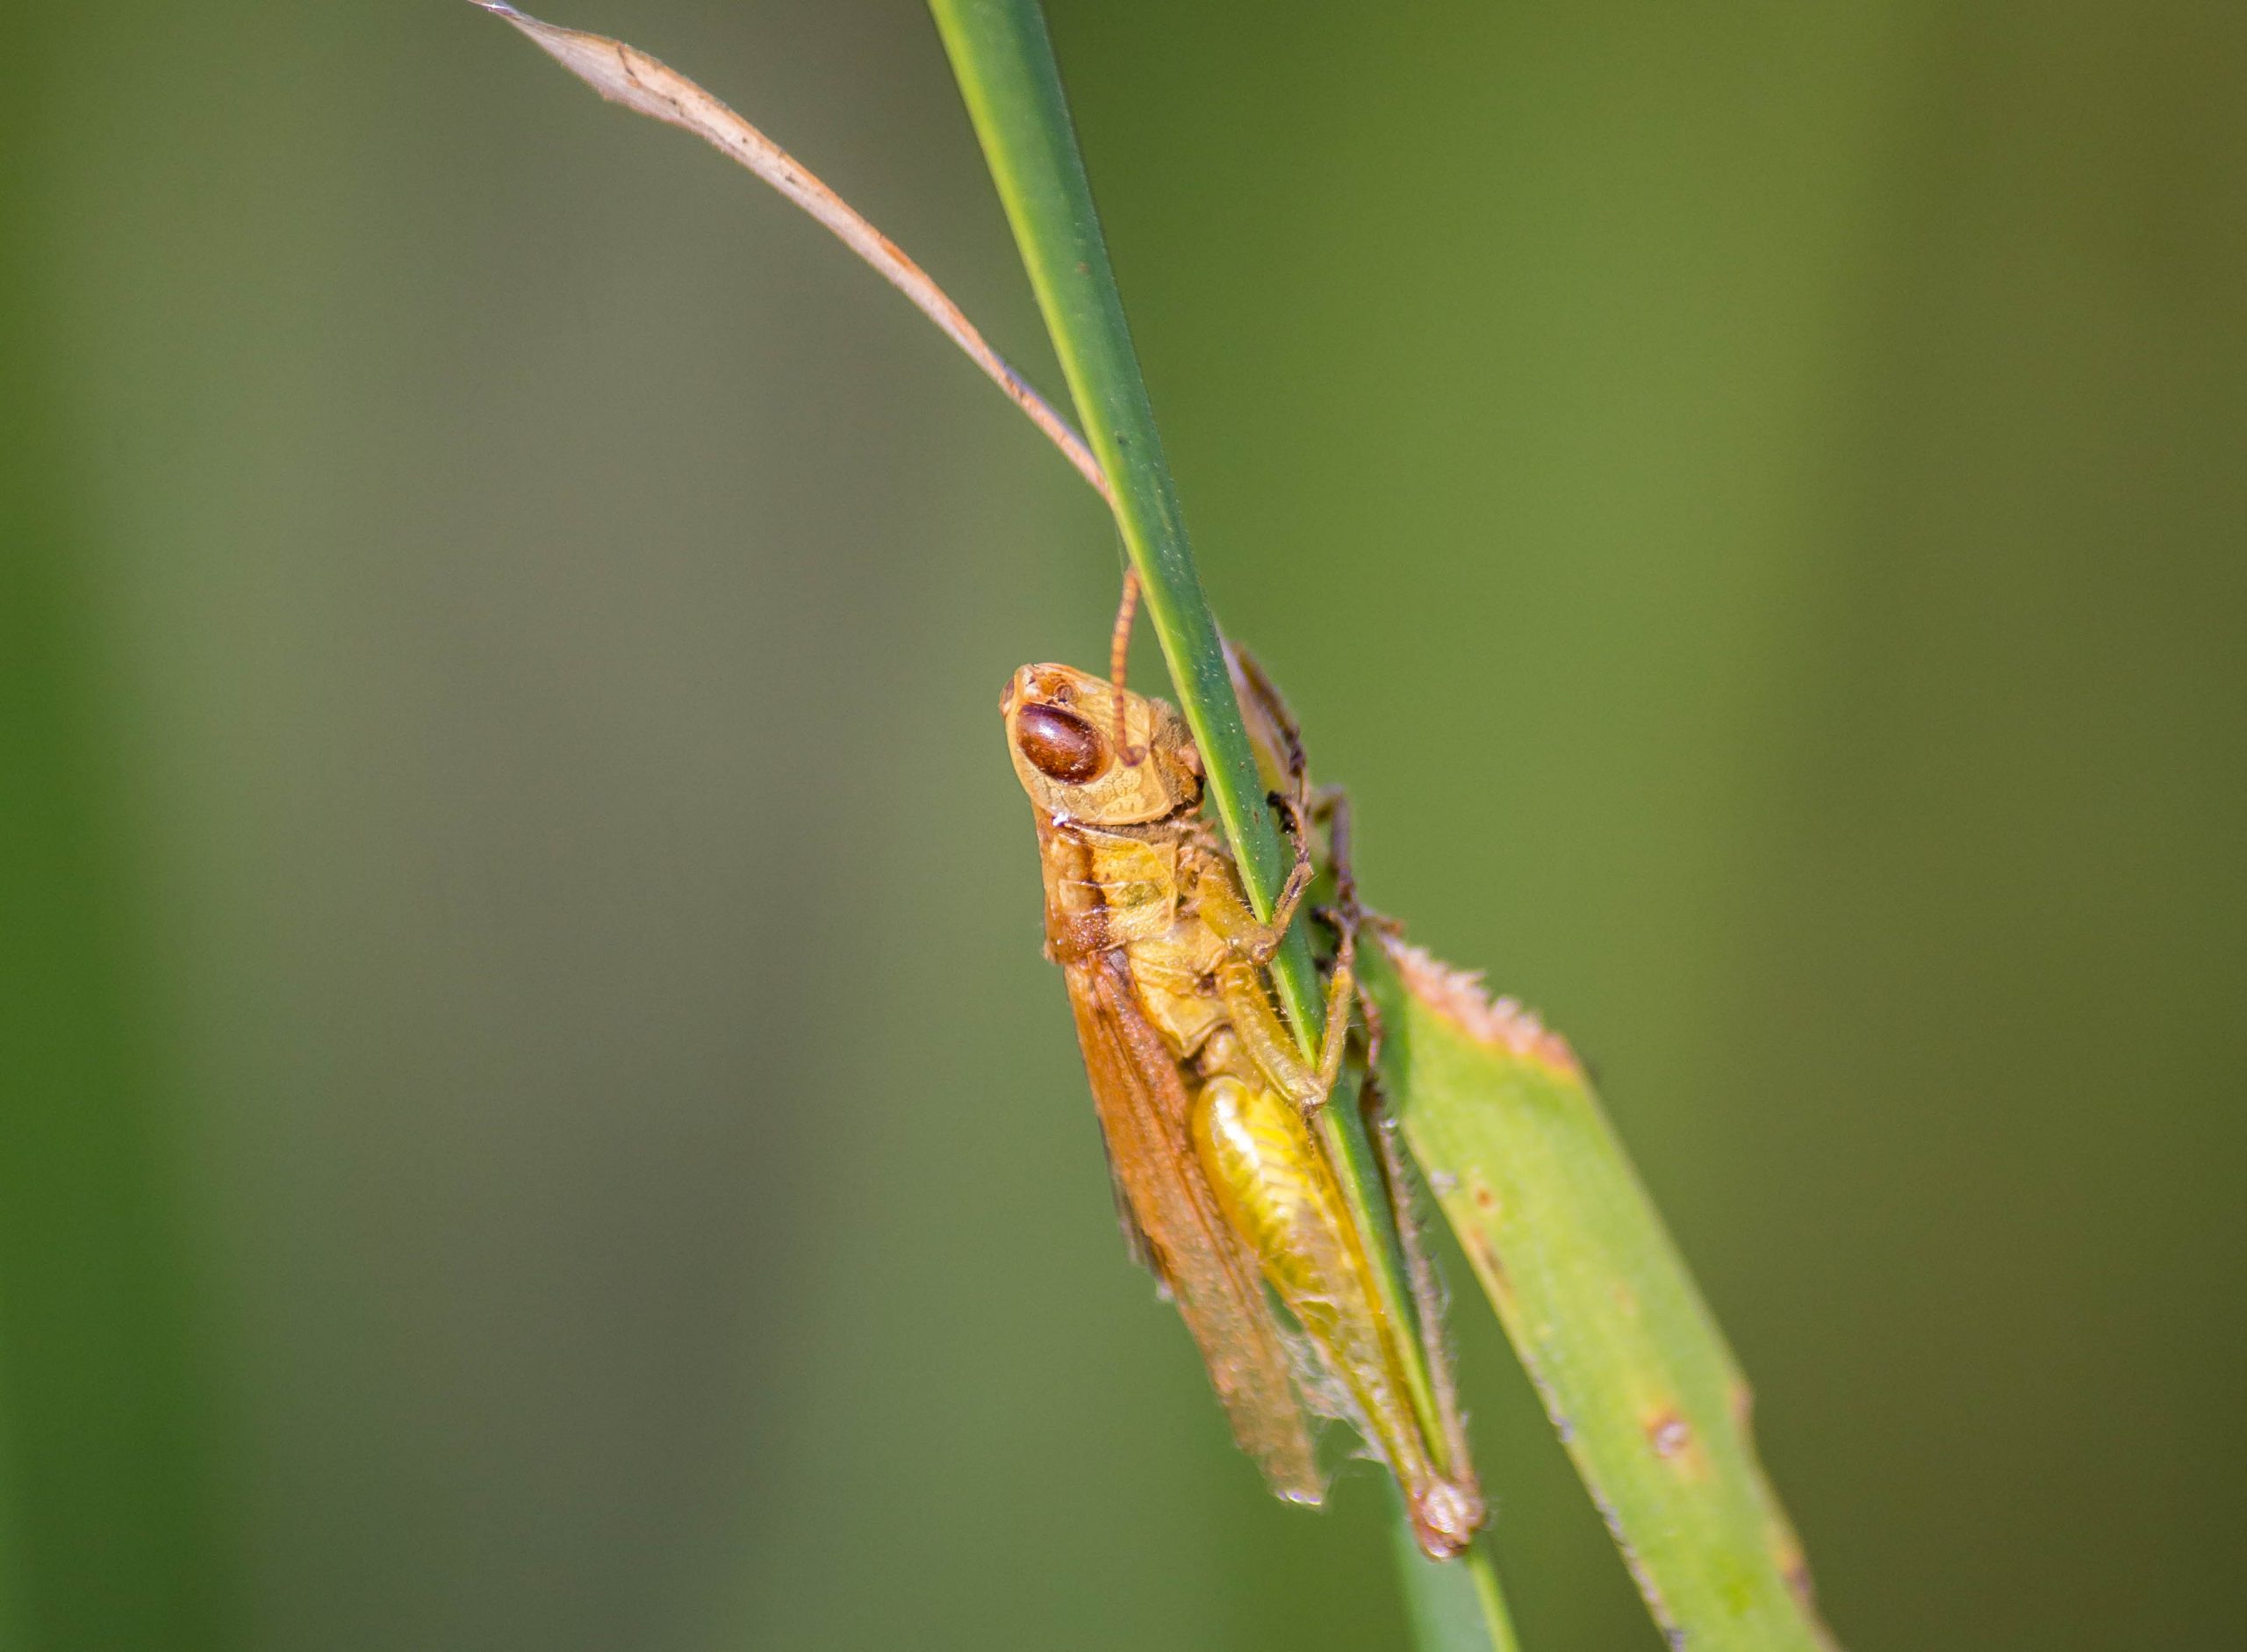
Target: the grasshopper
(1222, 1187)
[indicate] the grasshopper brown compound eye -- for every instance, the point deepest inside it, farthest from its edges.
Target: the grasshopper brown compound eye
(1060, 744)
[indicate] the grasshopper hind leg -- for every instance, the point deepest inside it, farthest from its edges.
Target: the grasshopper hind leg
(1455, 1504)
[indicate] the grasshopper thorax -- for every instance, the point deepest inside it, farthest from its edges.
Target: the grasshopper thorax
(1061, 730)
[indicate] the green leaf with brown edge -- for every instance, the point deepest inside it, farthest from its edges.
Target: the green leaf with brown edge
(1633, 1371)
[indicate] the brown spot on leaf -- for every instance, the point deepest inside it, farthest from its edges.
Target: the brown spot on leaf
(1670, 1433)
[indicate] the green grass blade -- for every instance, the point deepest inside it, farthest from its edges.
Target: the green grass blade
(1003, 60)
(1631, 1369)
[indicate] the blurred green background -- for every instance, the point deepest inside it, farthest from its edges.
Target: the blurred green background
(531, 1113)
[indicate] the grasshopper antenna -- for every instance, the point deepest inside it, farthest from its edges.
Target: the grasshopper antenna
(625, 75)
(1119, 660)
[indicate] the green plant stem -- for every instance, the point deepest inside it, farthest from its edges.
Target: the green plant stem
(1454, 1604)
(1003, 61)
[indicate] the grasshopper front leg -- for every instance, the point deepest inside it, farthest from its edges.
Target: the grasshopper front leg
(1241, 984)
(1228, 912)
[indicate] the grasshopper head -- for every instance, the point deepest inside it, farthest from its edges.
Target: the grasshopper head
(1061, 729)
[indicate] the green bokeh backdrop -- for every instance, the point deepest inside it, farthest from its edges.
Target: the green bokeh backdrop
(530, 1112)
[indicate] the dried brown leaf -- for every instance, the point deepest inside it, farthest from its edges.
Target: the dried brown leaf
(625, 75)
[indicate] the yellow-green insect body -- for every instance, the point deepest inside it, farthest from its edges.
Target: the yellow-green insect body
(1203, 1098)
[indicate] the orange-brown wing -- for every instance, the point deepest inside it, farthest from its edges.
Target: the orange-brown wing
(1143, 1102)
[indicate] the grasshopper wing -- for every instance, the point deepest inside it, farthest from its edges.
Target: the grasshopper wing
(1180, 1233)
